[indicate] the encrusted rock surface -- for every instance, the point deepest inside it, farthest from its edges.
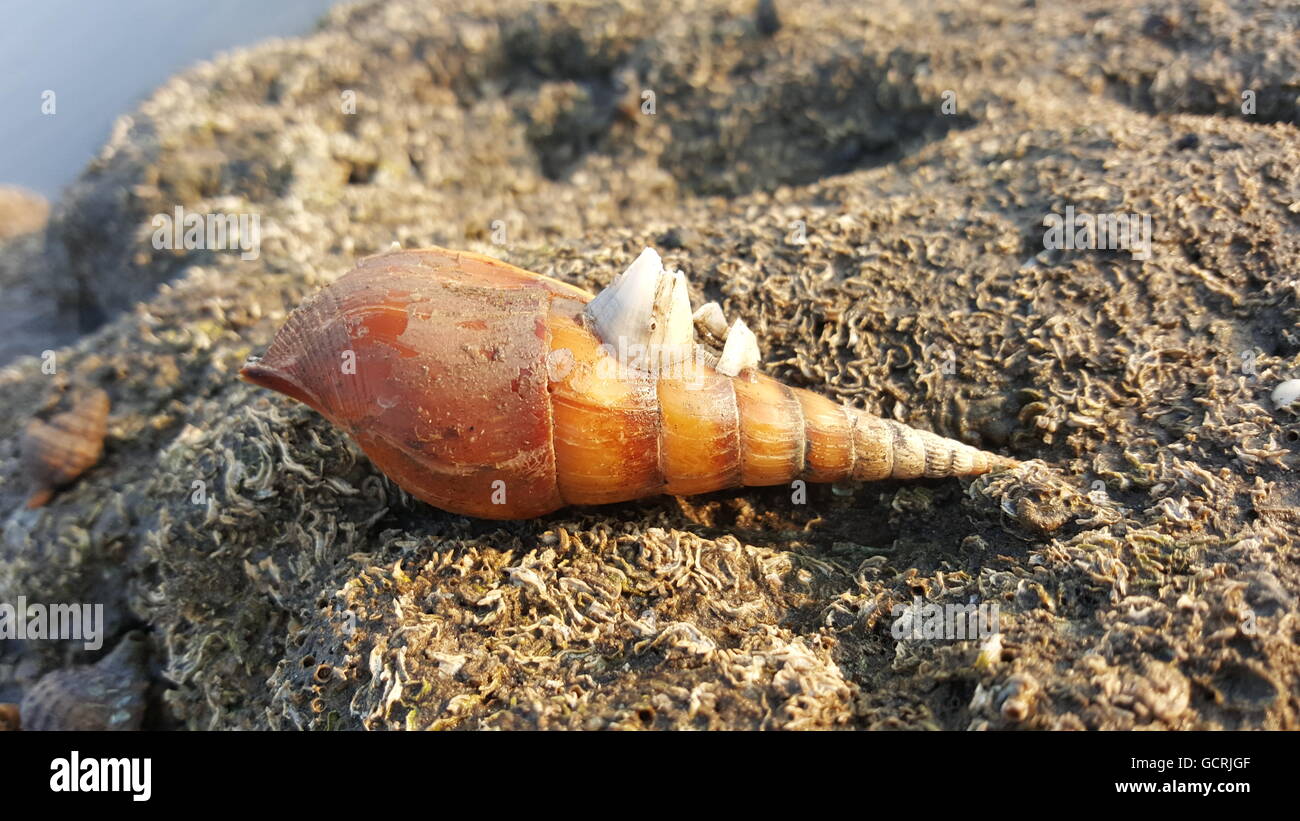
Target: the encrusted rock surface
(805, 174)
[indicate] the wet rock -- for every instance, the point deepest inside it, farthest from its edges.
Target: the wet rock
(108, 695)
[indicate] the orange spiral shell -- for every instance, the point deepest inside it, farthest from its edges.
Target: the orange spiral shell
(482, 389)
(60, 450)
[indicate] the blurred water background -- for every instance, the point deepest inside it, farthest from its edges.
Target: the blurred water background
(101, 59)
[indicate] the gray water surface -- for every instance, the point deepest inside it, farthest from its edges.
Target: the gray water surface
(101, 59)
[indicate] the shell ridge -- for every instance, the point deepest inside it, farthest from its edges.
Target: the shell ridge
(801, 460)
(738, 434)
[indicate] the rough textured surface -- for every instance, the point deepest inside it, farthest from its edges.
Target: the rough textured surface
(28, 310)
(21, 212)
(1144, 562)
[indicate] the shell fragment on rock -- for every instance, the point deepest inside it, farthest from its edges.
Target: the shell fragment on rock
(60, 450)
(647, 306)
(106, 695)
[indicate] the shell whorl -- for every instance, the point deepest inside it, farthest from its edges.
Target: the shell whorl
(708, 432)
(888, 449)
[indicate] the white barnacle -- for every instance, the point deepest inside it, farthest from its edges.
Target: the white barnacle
(1286, 394)
(740, 352)
(647, 308)
(709, 316)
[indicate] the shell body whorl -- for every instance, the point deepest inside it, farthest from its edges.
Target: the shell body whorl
(485, 390)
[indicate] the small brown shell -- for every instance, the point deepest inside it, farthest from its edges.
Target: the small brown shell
(60, 450)
(9, 718)
(107, 695)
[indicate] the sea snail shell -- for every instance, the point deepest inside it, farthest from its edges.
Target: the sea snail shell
(490, 391)
(106, 695)
(60, 450)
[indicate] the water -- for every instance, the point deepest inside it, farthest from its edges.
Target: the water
(101, 60)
